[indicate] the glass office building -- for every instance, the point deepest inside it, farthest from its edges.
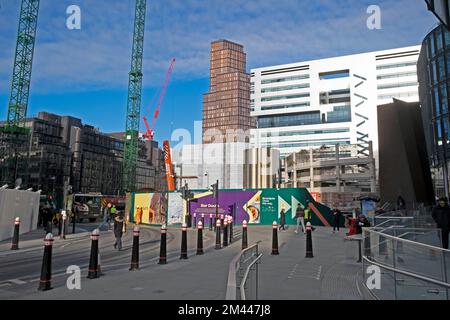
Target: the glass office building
(434, 87)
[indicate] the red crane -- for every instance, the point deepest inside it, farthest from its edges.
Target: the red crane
(150, 131)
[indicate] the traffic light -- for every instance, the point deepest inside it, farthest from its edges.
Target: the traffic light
(215, 189)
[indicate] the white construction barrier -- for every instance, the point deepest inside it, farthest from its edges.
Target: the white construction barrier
(18, 203)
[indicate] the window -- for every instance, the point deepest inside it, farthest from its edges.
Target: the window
(444, 98)
(294, 119)
(436, 103)
(439, 43)
(334, 74)
(335, 96)
(339, 114)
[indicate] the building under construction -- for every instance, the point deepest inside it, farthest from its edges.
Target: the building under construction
(61, 149)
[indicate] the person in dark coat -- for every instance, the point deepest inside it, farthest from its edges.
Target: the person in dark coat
(282, 220)
(336, 219)
(118, 231)
(362, 223)
(441, 215)
(401, 204)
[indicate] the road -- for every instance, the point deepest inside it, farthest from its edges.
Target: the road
(20, 270)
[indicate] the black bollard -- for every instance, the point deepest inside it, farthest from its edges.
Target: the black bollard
(244, 235)
(218, 244)
(221, 222)
(63, 226)
(46, 270)
(225, 232)
(309, 248)
(163, 247)
(275, 239)
(93, 261)
(230, 226)
(15, 239)
(211, 222)
(135, 250)
(184, 255)
(200, 238)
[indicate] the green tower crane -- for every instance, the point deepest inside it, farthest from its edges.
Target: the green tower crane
(23, 62)
(134, 99)
(13, 135)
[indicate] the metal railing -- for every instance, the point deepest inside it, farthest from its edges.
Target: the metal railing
(243, 274)
(412, 265)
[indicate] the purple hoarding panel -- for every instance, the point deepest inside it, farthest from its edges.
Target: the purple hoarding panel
(242, 205)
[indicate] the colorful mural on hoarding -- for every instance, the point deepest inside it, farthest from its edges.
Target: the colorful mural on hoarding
(256, 206)
(153, 205)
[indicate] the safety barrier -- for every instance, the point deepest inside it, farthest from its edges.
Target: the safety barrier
(243, 275)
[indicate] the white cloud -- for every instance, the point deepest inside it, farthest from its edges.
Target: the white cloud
(272, 31)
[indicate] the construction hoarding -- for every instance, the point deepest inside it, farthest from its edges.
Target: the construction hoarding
(255, 206)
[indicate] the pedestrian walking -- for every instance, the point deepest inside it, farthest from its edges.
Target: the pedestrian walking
(282, 220)
(106, 217)
(308, 216)
(299, 216)
(441, 215)
(118, 231)
(336, 213)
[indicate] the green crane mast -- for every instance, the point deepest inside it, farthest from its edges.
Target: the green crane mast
(23, 62)
(134, 99)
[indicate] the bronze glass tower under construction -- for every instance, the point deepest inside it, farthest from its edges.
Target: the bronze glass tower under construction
(226, 108)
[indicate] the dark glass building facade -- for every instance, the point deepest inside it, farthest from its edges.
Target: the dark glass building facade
(434, 88)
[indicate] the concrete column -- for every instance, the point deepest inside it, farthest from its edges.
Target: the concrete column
(338, 170)
(294, 167)
(311, 170)
(373, 185)
(286, 174)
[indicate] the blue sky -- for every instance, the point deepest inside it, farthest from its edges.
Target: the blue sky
(84, 72)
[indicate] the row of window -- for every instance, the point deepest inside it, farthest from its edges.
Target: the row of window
(292, 96)
(295, 119)
(285, 79)
(285, 88)
(287, 106)
(304, 133)
(310, 143)
(396, 65)
(397, 85)
(397, 75)
(397, 95)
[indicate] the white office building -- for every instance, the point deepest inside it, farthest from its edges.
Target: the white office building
(330, 101)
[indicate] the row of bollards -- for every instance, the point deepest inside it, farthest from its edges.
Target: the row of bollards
(94, 261)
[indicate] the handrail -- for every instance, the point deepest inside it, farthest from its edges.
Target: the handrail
(234, 265)
(244, 279)
(406, 273)
(371, 230)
